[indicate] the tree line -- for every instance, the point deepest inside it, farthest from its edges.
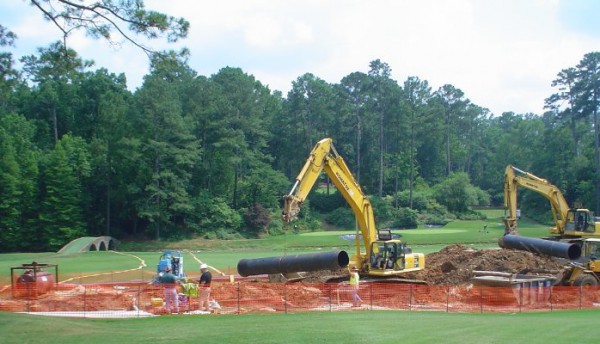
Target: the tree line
(187, 154)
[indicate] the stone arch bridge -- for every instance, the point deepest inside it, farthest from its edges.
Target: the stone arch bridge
(84, 244)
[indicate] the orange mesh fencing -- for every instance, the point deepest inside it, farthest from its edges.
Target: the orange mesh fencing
(138, 299)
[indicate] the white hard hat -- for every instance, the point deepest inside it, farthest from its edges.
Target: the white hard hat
(203, 266)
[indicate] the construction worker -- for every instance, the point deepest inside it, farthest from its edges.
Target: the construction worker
(169, 283)
(204, 284)
(355, 286)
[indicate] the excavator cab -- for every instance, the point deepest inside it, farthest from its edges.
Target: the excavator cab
(387, 255)
(579, 220)
(590, 250)
(392, 258)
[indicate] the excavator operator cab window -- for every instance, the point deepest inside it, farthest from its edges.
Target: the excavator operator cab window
(579, 220)
(591, 249)
(392, 256)
(376, 255)
(584, 221)
(384, 256)
(590, 223)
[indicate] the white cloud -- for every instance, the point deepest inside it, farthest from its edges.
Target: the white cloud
(502, 53)
(262, 32)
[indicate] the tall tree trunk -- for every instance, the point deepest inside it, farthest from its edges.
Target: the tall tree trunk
(597, 153)
(54, 123)
(574, 133)
(397, 172)
(158, 203)
(234, 199)
(471, 142)
(448, 160)
(107, 231)
(381, 150)
(358, 142)
(411, 165)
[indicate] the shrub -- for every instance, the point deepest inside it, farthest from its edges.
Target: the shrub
(341, 217)
(212, 215)
(419, 199)
(404, 218)
(324, 203)
(256, 218)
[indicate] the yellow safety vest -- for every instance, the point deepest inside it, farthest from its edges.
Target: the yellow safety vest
(354, 278)
(190, 289)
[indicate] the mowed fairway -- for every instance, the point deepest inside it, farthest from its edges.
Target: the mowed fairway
(316, 327)
(225, 254)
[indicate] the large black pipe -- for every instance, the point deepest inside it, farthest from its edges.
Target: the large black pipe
(293, 263)
(549, 247)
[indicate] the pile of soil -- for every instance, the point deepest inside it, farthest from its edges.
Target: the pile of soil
(454, 265)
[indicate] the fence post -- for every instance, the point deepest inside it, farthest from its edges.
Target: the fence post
(329, 295)
(481, 300)
(580, 297)
(521, 299)
(238, 298)
(447, 299)
(410, 292)
(285, 298)
(551, 309)
(84, 300)
(370, 296)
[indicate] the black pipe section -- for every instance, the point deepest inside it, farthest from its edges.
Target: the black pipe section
(293, 263)
(549, 247)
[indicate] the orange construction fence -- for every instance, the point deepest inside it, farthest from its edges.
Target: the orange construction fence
(139, 299)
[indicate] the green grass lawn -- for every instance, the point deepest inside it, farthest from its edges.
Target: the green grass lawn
(224, 255)
(313, 327)
(321, 327)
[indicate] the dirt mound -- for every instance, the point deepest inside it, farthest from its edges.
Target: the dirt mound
(322, 276)
(454, 265)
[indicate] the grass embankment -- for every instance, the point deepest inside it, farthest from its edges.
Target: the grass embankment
(346, 327)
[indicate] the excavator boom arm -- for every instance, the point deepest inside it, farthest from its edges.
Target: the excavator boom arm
(513, 178)
(324, 157)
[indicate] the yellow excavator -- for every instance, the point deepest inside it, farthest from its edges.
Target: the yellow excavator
(573, 225)
(569, 223)
(383, 255)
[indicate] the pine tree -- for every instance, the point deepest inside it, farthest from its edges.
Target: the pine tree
(61, 213)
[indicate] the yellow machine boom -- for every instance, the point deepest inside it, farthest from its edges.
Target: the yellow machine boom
(381, 257)
(568, 222)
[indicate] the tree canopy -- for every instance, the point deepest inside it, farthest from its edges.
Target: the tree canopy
(114, 21)
(193, 155)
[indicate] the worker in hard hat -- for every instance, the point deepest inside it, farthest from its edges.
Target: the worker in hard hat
(169, 283)
(204, 284)
(355, 286)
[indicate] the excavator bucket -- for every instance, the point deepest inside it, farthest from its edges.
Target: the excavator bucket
(291, 208)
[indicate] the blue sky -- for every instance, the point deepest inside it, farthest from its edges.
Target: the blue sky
(503, 54)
